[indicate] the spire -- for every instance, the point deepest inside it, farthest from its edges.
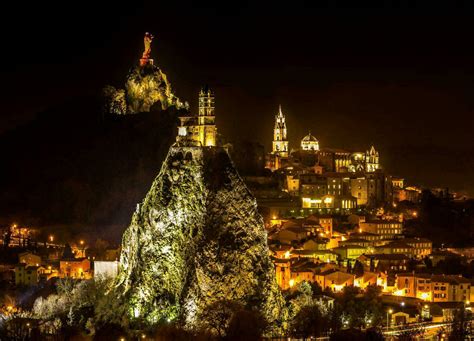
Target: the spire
(279, 110)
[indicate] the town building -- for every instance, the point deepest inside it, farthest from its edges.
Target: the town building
(30, 259)
(69, 266)
(434, 288)
(385, 262)
(422, 247)
(27, 275)
(396, 247)
(350, 251)
(334, 279)
(77, 268)
(387, 229)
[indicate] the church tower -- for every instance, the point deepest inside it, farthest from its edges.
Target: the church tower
(280, 140)
(372, 160)
(199, 130)
(206, 117)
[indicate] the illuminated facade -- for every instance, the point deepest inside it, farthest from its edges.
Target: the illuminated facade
(309, 142)
(334, 279)
(434, 288)
(27, 275)
(78, 268)
(388, 229)
(372, 160)
(200, 130)
(280, 139)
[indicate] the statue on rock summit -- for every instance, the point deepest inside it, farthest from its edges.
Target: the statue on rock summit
(147, 52)
(146, 85)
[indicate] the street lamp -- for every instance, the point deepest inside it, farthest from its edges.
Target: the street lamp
(51, 238)
(390, 311)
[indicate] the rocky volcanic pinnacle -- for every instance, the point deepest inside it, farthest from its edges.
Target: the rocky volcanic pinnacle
(196, 239)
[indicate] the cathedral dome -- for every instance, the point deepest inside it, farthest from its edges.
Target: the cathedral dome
(309, 142)
(309, 138)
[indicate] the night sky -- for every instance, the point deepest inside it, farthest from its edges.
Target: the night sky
(402, 79)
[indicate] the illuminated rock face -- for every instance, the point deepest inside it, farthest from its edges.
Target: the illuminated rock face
(145, 86)
(197, 238)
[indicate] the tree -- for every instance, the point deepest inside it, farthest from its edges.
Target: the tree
(316, 288)
(373, 306)
(349, 266)
(67, 253)
(358, 269)
(246, 325)
(85, 305)
(7, 237)
(353, 312)
(308, 322)
(428, 263)
(459, 327)
(216, 318)
(411, 266)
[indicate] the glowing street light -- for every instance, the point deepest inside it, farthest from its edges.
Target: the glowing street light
(389, 312)
(81, 242)
(51, 238)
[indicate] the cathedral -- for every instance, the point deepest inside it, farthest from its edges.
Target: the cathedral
(330, 179)
(330, 159)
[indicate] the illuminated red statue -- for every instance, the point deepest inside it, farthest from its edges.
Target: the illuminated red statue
(147, 52)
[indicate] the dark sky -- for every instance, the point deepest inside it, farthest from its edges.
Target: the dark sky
(398, 77)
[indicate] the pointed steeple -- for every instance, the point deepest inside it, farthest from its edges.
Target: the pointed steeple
(280, 141)
(372, 160)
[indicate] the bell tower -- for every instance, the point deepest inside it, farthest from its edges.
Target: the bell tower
(206, 117)
(280, 140)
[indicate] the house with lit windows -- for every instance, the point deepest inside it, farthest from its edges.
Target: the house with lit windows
(434, 288)
(387, 229)
(422, 247)
(27, 275)
(334, 279)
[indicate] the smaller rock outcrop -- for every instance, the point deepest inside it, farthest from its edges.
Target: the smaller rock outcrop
(146, 85)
